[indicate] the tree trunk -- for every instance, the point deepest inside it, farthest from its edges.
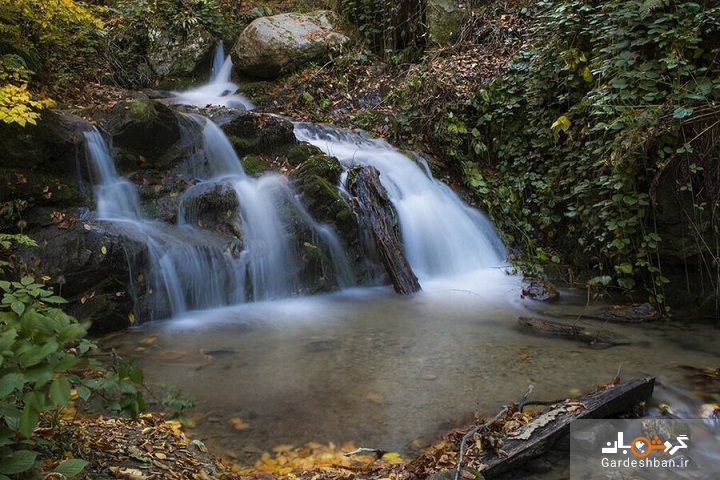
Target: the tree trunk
(376, 210)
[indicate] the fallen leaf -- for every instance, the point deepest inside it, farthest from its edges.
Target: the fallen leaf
(239, 424)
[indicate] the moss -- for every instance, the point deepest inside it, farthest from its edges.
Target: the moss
(143, 110)
(301, 152)
(254, 165)
(242, 146)
(323, 166)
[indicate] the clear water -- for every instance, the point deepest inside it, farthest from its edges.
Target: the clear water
(384, 371)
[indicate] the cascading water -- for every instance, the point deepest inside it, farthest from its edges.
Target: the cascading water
(271, 255)
(190, 268)
(115, 196)
(219, 91)
(442, 235)
(187, 268)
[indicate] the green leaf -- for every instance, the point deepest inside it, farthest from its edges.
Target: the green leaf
(18, 307)
(25, 281)
(682, 112)
(83, 392)
(10, 382)
(60, 391)
(17, 462)
(71, 467)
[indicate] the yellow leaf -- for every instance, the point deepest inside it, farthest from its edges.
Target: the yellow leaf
(561, 124)
(393, 457)
(587, 75)
(239, 424)
(148, 340)
(131, 317)
(375, 398)
(103, 249)
(284, 448)
(87, 227)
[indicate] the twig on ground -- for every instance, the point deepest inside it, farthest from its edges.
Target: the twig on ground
(472, 432)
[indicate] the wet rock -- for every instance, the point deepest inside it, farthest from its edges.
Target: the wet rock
(272, 45)
(49, 145)
(600, 337)
(213, 206)
(258, 133)
(39, 170)
(540, 289)
(90, 267)
(316, 178)
(144, 128)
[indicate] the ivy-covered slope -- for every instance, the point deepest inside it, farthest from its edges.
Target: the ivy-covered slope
(606, 124)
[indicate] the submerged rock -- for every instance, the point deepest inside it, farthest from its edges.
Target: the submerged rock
(540, 289)
(272, 45)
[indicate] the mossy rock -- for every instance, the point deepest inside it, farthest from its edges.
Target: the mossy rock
(317, 178)
(254, 165)
(144, 128)
(257, 133)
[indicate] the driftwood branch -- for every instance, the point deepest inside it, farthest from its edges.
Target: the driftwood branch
(472, 432)
(541, 433)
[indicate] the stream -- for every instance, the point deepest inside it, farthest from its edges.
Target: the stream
(365, 365)
(388, 372)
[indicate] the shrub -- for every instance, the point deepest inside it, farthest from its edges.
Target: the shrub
(42, 354)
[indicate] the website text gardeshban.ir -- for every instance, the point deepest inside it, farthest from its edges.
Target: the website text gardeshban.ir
(645, 463)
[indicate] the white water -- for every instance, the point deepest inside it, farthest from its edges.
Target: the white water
(115, 196)
(219, 91)
(269, 251)
(190, 268)
(442, 236)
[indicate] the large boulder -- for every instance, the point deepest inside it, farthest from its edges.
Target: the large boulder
(446, 19)
(272, 45)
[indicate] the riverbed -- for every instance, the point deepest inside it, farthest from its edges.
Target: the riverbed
(385, 371)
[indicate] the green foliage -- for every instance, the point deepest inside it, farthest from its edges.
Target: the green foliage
(579, 131)
(41, 42)
(177, 403)
(386, 25)
(133, 25)
(41, 350)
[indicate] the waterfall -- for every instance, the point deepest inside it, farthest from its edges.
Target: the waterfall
(115, 196)
(220, 90)
(442, 235)
(217, 65)
(268, 208)
(189, 268)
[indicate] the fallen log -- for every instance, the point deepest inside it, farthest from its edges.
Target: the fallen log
(375, 210)
(592, 336)
(535, 438)
(635, 313)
